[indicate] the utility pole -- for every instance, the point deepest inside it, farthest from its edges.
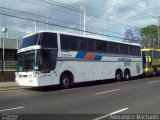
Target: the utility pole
(80, 19)
(158, 30)
(104, 23)
(4, 30)
(35, 26)
(84, 9)
(47, 17)
(1, 5)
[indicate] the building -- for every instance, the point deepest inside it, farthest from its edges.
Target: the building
(10, 53)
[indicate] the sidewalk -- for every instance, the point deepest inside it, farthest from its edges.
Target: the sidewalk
(4, 86)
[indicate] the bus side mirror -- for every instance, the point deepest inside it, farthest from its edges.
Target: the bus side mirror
(149, 59)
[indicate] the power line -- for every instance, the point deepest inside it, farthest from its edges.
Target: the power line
(67, 11)
(133, 7)
(29, 19)
(117, 17)
(139, 6)
(75, 10)
(89, 13)
(36, 17)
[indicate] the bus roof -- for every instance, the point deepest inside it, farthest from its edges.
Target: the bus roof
(84, 36)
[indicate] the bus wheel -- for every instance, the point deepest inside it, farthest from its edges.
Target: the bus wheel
(118, 76)
(127, 75)
(154, 73)
(65, 81)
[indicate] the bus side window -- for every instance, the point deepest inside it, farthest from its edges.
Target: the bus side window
(99, 46)
(83, 44)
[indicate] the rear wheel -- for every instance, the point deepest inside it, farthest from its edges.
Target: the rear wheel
(118, 76)
(65, 81)
(127, 75)
(154, 73)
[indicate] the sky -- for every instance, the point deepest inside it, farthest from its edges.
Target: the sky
(105, 17)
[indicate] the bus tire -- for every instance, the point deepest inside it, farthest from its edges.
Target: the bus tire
(65, 81)
(119, 75)
(127, 75)
(154, 73)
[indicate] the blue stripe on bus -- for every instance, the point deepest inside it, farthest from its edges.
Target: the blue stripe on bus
(81, 55)
(97, 57)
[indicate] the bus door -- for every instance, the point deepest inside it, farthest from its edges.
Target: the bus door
(48, 63)
(45, 66)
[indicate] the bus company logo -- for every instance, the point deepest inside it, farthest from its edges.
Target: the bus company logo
(124, 59)
(67, 55)
(127, 62)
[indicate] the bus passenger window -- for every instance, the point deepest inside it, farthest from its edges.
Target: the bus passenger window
(99, 46)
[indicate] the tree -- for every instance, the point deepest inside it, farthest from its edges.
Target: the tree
(133, 35)
(149, 36)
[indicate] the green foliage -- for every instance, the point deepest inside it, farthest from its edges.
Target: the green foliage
(149, 36)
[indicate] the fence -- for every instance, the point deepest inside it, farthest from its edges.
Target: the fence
(9, 65)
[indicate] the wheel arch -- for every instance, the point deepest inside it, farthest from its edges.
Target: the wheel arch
(68, 73)
(154, 72)
(127, 70)
(119, 70)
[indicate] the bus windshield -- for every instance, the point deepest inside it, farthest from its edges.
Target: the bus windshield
(28, 60)
(30, 41)
(46, 40)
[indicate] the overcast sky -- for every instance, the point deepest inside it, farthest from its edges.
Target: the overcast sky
(119, 15)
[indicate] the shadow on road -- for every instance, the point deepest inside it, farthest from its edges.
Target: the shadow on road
(77, 85)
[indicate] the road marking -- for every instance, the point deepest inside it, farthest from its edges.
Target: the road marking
(107, 115)
(12, 109)
(107, 91)
(153, 82)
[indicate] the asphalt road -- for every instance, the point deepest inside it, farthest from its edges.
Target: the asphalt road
(98, 99)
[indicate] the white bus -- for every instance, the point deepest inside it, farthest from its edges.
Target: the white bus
(55, 58)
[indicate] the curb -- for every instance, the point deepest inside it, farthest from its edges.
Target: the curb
(10, 88)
